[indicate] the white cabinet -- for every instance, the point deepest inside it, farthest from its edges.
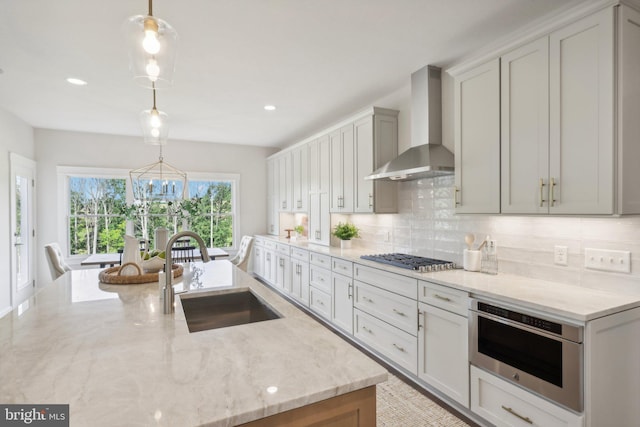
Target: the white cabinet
(557, 121)
(525, 129)
(285, 186)
(477, 139)
(504, 404)
(270, 263)
(282, 279)
(376, 142)
(581, 87)
(342, 294)
(319, 219)
(443, 343)
(320, 284)
(273, 211)
(300, 275)
(396, 310)
(300, 175)
(258, 257)
(342, 161)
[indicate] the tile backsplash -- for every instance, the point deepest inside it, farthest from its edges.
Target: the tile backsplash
(426, 224)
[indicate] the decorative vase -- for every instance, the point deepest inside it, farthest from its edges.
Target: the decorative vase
(345, 244)
(131, 254)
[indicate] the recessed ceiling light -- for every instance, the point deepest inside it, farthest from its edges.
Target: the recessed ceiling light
(269, 107)
(76, 82)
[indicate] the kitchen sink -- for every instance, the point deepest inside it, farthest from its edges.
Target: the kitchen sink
(223, 310)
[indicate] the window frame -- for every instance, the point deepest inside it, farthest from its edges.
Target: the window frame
(65, 172)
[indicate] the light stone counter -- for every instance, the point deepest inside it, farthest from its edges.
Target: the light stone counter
(569, 302)
(110, 352)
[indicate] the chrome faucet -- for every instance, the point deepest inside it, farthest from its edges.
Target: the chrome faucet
(168, 293)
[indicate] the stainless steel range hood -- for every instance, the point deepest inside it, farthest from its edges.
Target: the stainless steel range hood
(427, 158)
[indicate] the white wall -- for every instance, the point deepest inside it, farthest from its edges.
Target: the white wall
(62, 148)
(15, 136)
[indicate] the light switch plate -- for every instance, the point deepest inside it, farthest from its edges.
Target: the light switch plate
(607, 260)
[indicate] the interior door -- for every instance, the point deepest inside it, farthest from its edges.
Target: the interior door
(23, 176)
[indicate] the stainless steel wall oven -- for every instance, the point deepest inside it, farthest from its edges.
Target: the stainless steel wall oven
(544, 356)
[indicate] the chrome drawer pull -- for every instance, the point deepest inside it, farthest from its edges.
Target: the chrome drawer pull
(399, 348)
(399, 313)
(319, 302)
(368, 300)
(442, 298)
(512, 412)
(367, 329)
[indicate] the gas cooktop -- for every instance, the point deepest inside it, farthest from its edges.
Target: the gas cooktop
(411, 262)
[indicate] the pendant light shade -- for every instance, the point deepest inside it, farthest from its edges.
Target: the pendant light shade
(155, 125)
(152, 46)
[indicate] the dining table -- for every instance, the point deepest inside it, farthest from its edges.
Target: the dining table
(115, 258)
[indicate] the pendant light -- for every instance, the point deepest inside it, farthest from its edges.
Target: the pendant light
(155, 124)
(152, 49)
(158, 181)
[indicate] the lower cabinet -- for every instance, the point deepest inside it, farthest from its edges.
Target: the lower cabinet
(299, 268)
(283, 273)
(395, 344)
(258, 258)
(504, 404)
(443, 356)
(342, 302)
(320, 302)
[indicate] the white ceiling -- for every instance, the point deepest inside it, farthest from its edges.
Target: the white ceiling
(316, 60)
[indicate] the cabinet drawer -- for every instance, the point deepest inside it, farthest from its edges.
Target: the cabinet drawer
(402, 285)
(282, 249)
(320, 302)
(399, 311)
(300, 254)
(323, 261)
(341, 266)
(389, 341)
(320, 278)
(270, 244)
(504, 404)
(258, 241)
(450, 299)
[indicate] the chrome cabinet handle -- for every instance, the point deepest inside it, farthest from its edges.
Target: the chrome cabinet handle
(552, 185)
(399, 313)
(399, 348)
(350, 291)
(319, 302)
(420, 314)
(299, 204)
(364, 328)
(370, 200)
(512, 412)
(368, 300)
(542, 200)
(442, 298)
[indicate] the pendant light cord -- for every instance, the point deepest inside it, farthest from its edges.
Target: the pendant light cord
(150, 7)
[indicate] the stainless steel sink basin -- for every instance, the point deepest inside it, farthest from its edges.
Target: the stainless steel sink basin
(223, 310)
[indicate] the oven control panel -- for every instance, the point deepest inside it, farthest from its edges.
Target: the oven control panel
(525, 319)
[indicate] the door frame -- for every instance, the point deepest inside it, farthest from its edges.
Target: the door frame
(17, 163)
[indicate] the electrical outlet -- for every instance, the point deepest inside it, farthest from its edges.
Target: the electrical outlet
(560, 255)
(607, 260)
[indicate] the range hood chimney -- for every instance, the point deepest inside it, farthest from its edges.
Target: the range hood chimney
(427, 158)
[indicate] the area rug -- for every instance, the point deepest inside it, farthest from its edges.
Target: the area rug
(399, 405)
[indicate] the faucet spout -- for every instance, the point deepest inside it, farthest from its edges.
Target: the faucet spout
(168, 293)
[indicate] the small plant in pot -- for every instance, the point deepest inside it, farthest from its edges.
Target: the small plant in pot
(299, 229)
(345, 232)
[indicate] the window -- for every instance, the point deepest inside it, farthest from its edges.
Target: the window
(96, 223)
(100, 210)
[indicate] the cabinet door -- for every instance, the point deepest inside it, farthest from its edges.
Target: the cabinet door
(581, 83)
(258, 261)
(342, 160)
(525, 129)
(443, 358)
(319, 219)
(342, 302)
(283, 276)
(273, 198)
(477, 139)
(300, 281)
(299, 168)
(284, 182)
(323, 164)
(269, 267)
(364, 165)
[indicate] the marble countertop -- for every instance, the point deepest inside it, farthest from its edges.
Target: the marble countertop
(110, 352)
(568, 302)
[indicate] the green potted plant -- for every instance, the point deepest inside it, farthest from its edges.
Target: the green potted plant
(345, 232)
(299, 229)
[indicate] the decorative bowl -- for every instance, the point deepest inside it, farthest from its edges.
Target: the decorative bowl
(153, 265)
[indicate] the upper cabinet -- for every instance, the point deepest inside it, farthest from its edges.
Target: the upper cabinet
(300, 177)
(319, 220)
(342, 160)
(285, 182)
(273, 201)
(477, 139)
(538, 129)
(376, 143)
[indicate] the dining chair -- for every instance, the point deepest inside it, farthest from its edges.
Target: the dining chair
(241, 258)
(55, 259)
(183, 253)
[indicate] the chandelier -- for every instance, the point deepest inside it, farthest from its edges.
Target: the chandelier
(158, 181)
(152, 49)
